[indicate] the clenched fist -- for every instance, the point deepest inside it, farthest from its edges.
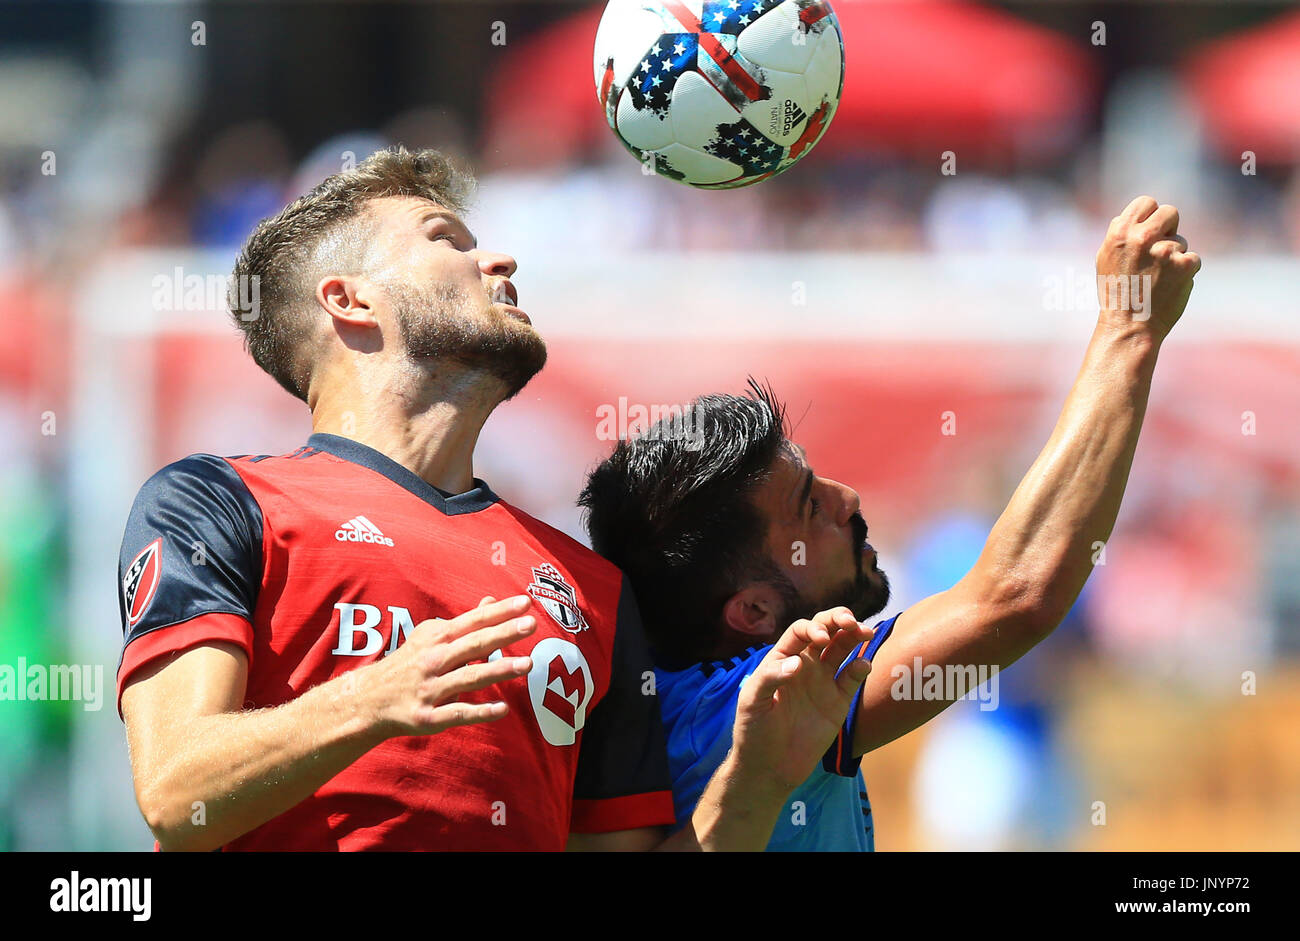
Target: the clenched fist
(1144, 269)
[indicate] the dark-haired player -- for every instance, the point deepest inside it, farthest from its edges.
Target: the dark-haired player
(313, 657)
(729, 535)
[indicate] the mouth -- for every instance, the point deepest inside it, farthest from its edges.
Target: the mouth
(858, 532)
(504, 294)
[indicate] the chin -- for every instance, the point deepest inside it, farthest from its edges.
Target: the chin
(522, 358)
(871, 594)
(865, 594)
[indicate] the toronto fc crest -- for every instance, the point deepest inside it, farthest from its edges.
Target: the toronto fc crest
(557, 597)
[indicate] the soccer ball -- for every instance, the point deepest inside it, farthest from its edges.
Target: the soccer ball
(719, 93)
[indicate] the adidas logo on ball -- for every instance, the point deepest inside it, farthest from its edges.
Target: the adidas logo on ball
(793, 115)
(360, 529)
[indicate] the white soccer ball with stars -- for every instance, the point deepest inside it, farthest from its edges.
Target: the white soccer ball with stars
(719, 93)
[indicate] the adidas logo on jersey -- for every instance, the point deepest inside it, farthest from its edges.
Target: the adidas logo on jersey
(360, 529)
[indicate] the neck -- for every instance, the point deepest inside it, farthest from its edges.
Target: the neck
(425, 417)
(734, 644)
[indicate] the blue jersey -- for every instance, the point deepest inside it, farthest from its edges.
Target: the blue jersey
(829, 811)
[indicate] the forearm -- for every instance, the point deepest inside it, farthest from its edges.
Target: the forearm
(1040, 552)
(230, 772)
(737, 812)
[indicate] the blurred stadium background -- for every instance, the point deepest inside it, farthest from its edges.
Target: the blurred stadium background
(874, 291)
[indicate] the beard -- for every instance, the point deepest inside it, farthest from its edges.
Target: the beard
(865, 593)
(444, 325)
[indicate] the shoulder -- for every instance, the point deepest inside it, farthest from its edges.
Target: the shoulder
(198, 498)
(192, 467)
(229, 479)
(704, 689)
(194, 480)
(698, 705)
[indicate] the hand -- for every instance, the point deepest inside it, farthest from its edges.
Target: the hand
(415, 688)
(1144, 270)
(792, 707)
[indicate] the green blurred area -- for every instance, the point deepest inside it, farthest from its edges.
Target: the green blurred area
(32, 565)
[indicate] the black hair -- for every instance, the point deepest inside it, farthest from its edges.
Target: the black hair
(673, 508)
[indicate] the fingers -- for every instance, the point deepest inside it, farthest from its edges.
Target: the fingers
(1172, 248)
(444, 657)
(1161, 223)
(841, 646)
(486, 614)
(853, 676)
(821, 634)
(847, 633)
(461, 713)
(475, 676)
(834, 619)
(826, 641)
(1170, 245)
(774, 672)
(1136, 211)
(1157, 227)
(799, 636)
(1145, 221)
(848, 675)
(783, 661)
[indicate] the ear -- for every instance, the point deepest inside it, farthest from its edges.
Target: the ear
(753, 610)
(347, 300)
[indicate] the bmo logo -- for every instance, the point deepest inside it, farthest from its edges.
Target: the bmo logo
(359, 629)
(560, 687)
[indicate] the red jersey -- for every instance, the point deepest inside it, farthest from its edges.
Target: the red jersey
(322, 560)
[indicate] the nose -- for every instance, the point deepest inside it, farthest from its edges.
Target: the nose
(849, 502)
(495, 263)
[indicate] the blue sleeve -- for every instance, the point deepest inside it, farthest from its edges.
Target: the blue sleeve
(839, 758)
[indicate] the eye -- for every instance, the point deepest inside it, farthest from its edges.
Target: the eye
(816, 506)
(439, 229)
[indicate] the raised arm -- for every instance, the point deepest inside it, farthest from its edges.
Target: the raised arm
(195, 748)
(1040, 552)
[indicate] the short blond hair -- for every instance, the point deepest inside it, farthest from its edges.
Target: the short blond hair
(278, 251)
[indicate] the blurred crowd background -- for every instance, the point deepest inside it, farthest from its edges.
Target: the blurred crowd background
(139, 144)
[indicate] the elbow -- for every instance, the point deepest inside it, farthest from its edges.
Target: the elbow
(176, 822)
(1029, 608)
(1040, 618)
(1039, 614)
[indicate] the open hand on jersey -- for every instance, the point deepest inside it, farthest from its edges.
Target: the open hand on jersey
(416, 688)
(792, 707)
